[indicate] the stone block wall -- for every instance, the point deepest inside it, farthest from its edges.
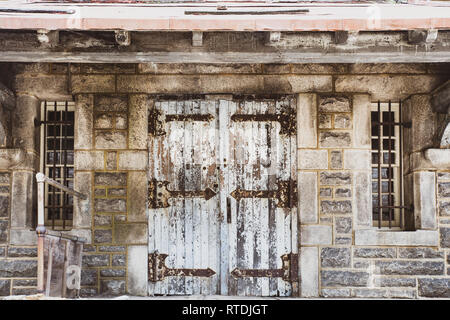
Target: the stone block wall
(341, 254)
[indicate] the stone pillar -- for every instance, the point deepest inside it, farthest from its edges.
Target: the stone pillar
(23, 188)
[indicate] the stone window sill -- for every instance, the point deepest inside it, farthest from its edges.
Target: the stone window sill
(373, 237)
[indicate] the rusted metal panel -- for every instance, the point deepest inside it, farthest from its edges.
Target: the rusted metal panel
(222, 190)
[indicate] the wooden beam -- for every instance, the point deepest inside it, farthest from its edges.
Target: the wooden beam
(224, 57)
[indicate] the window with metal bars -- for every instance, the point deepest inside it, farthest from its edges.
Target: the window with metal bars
(387, 167)
(57, 159)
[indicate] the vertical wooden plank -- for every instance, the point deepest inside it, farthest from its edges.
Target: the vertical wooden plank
(294, 210)
(151, 212)
(225, 263)
(189, 220)
(272, 184)
(179, 202)
(196, 202)
(263, 219)
(164, 176)
(171, 133)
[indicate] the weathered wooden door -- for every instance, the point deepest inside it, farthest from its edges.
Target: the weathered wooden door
(222, 197)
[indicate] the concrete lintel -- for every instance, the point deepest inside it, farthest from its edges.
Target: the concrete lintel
(374, 237)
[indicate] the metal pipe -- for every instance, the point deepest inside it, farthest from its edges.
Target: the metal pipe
(53, 183)
(41, 231)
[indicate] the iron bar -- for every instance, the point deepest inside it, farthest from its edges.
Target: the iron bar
(400, 160)
(54, 168)
(380, 210)
(389, 165)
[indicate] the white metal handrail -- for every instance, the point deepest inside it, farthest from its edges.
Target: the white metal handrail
(41, 230)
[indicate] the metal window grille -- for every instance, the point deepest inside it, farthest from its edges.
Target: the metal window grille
(387, 167)
(57, 158)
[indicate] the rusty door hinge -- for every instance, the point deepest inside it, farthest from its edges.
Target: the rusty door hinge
(156, 120)
(288, 271)
(286, 193)
(159, 194)
(288, 121)
(157, 269)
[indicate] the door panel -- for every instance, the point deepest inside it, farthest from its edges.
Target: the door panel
(229, 168)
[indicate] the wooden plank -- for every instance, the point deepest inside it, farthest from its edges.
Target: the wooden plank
(226, 57)
(189, 218)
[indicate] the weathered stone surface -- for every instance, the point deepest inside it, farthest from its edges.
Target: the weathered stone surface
(357, 159)
(25, 282)
(307, 123)
(384, 87)
(443, 176)
(44, 86)
(4, 206)
(444, 189)
(307, 197)
(342, 121)
(89, 248)
(325, 192)
(335, 257)
(343, 225)
(111, 248)
(336, 160)
(335, 293)
(196, 68)
(343, 193)
(4, 177)
(121, 121)
(372, 237)
(316, 235)
(3, 231)
(102, 68)
(334, 206)
(2, 251)
(95, 260)
(112, 287)
(444, 208)
(135, 233)
(112, 273)
(335, 178)
(324, 121)
(137, 275)
(395, 282)
(383, 68)
(369, 293)
(334, 104)
(312, 159)
(410, 267)
(89, 160)
(335, 139)
(374, 252)
(5, 287)
(343, 240)
(102, 220)
(103, 121)
(110, 139)
(110, 179)
(88, 292)
(24, 291)
(137, 192)
(110, 205)
(362, 198)
(89, 277)
(119, 260)
(445, 237)
(133, 160)
(84, 120)
(202, 84)
(100, 192)
(18, 252)
(102, 236)
(111, 161)
(361, 264)
(419, 253)
(111, 102)
(118, 192)
(92, 83)
(344, 278)
(436, 288)
(18, 268)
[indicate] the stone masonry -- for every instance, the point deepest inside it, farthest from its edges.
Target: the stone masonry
(341, 253)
